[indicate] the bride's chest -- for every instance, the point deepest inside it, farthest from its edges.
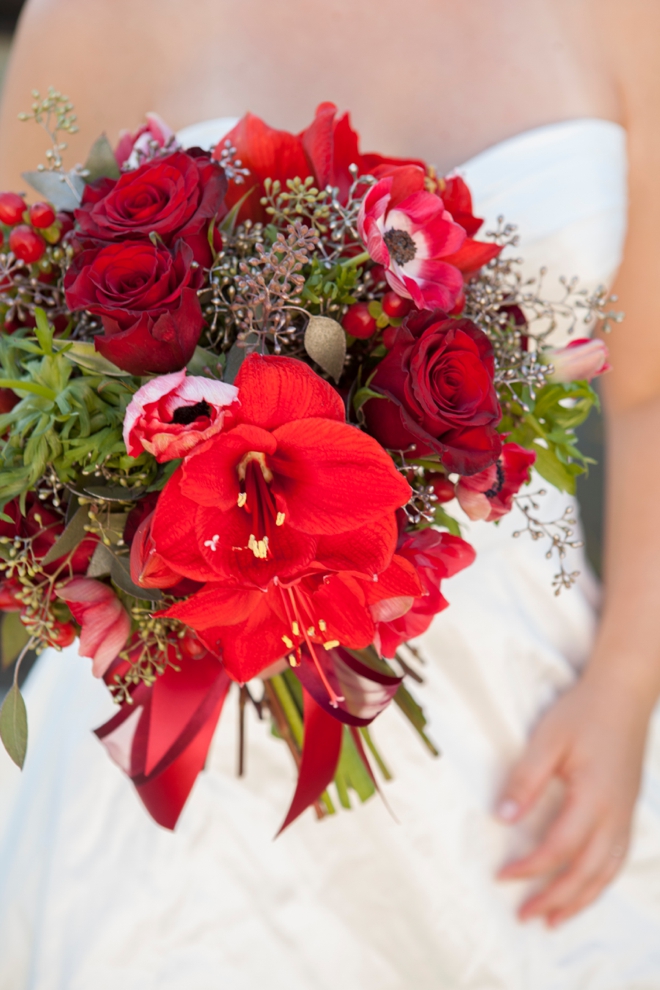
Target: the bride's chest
(432, 78)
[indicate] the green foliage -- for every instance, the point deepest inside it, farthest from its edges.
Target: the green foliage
(548, 428)
(13, 725)
(329, 287)
(70, 415)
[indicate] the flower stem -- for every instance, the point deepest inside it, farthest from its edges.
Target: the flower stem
(359, 259)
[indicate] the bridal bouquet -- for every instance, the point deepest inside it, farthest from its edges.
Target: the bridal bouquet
(240, 393)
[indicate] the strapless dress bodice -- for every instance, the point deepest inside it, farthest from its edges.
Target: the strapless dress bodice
(563, 185)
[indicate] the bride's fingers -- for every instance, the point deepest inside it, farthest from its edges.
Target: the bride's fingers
(592, 869)
(528, 778)
(567, 835)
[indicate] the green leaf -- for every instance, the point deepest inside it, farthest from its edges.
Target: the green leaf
(548, 465)
(229, 223)
(14, 637)
(74, 534)
(363, 395)
(20, 386)
(237, 355)
(101, 162)
(206, 364)
(43, 331)
(13, 726)
(104, 562)
(443, 518)
(325, 342)
(63, 189)
(413, 712)
(84, 355)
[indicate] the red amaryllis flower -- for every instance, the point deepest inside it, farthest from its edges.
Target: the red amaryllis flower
(409, 232)
(285, 486)
(435, 557)
(489, 494)
(146, 297)
(173, 197)
(250, 628)
(105, 625)
(440, 396)
(171, 415)
(324, 150)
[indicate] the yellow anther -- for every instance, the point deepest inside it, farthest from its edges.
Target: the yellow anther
(330, 645)
(292, 660)
(280, 519)
(322, 625)
(258, 547)
(287, 642)
(296, 628)
(242, 499)
(311, 631)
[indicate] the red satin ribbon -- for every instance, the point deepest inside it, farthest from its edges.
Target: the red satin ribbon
(320, 755)
(171, 739)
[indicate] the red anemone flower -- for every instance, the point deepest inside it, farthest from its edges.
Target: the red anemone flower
(289, 483)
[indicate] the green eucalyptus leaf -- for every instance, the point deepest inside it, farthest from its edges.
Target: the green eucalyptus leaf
(325, 342)
(63, 189)
(206, 363)
(237, 355)
(74, 534)
(13, 726)
(101, 162)
(13, 637)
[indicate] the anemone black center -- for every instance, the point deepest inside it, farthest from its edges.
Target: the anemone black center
(499, 483)
(400, 245)
(185, 415)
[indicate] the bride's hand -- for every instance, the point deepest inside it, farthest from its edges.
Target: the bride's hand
(593, 740)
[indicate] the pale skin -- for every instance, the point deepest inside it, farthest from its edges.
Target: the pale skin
(441, 80)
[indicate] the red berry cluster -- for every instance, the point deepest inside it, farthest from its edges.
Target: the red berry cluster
(32, 228)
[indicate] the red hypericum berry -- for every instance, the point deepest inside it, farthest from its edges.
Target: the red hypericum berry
(8, 399)
(26, 244)
(396, 306)
(42, 215)
(12, 208)
(443, 488)
(65, 220)
(63, 634)
(376, 274)
(191, 647)
(359, 322)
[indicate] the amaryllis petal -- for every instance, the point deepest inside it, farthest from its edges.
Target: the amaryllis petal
(274, 391)
(319, 491)
(211, 476)
(105, 624)
(368, 549)
(217, 605)
(173, 532)
(473, 255)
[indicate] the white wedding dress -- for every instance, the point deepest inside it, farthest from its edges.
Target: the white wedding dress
(95, 896)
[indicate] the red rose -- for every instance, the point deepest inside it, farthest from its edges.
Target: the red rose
(173, 197)
(147, 300)
(439, 393)
(489, 494)
(435, 556)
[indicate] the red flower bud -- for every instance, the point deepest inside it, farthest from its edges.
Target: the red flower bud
(443, 488)
(12, 208)
(63, 634)
(26, 244)
(359, 322)
(42, 215)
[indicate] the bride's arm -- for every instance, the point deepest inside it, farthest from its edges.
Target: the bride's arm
(594, 737)
(102, 55)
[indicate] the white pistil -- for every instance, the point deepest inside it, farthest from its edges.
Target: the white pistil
(212, 544)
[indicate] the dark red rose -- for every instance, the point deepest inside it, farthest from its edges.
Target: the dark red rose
(435, 556)
(440, 396)
(146, 297)
(173, 197)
